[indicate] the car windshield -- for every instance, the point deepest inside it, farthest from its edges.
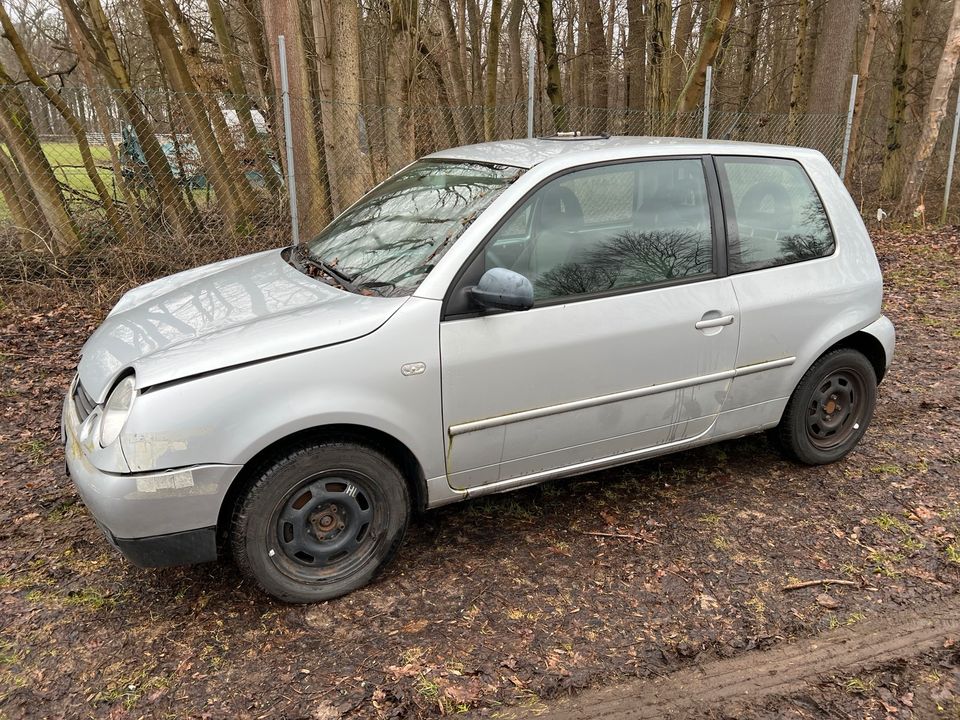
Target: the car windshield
(394, 235)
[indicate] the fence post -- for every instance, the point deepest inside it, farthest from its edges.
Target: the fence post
(953, 154)
(849, 128)
(707, 87)
(288, 140)
(532, 69)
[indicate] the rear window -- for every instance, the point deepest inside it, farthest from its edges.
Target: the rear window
(774, 215)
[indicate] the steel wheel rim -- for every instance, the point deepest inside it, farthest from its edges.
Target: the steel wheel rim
(836, 409)
(327, 527)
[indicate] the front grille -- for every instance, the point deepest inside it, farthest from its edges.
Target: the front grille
(83, 402)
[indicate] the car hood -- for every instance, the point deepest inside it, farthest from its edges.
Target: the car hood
(221, 315)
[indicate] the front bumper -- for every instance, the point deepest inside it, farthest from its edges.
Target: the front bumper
(165, 517)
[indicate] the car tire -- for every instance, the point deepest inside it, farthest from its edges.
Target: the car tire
(320, 520)
(830, 409)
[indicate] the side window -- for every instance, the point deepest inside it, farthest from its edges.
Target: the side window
(774, 215)
(620, 226)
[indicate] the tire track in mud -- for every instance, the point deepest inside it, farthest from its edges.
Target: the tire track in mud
(757, 675)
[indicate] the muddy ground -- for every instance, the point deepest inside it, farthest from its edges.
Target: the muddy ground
(518, 600)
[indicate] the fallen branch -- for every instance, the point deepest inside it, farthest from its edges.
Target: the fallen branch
(625, 536)
(822, 581)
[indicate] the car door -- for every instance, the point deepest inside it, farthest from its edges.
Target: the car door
(632, 339)
(782, 265)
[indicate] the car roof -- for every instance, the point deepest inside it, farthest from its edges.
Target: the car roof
(527, 152)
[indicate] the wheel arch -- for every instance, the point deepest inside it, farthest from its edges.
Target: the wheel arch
(867, 345)
(393, 448)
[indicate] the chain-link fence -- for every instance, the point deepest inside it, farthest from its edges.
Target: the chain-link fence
(124, 187)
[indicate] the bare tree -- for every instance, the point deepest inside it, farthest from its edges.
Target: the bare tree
(713, 33)
(933, 116)
(547, 36)
(863, 72)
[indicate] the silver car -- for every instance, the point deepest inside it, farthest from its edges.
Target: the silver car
(490, 317)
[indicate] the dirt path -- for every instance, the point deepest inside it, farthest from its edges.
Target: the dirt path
(751, 677)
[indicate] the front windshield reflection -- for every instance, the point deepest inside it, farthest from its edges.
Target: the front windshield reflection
(394, 236)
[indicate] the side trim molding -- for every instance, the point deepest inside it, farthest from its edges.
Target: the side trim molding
(510, 418)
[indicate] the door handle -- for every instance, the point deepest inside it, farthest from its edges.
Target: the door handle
(714, 322)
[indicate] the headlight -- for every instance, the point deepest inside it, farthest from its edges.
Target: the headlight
(116, 410)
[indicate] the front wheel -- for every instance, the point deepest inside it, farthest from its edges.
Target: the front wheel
(320, 521)
(830, 408)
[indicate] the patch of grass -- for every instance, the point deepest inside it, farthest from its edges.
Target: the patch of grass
(884, 563)
(34, 449)
(88, 599)
(9, 654)
(62, 510)
(860, 686)
(953, 554)
(887, 522)
(130, 689)
(711, 519)
(911, 544)
(758, 607)
(887, 469)
(721, 543)
(427, 687)
(849, 569)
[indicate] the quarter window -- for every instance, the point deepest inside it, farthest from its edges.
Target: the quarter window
(774, 215)
(607, 228)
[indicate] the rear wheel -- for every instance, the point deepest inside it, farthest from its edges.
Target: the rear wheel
(320, 521)
(830, 408)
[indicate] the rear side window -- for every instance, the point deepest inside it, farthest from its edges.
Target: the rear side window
(774, 215)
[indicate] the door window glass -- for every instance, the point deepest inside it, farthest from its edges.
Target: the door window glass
(776, 216)
(607, 228)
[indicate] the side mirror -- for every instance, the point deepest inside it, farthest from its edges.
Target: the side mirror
(503, 289)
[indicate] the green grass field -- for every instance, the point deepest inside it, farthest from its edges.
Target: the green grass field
(67, 164)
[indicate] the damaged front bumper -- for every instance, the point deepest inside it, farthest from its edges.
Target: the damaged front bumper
(155, 519)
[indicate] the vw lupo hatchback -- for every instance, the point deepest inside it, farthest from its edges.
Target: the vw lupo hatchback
(488, 318)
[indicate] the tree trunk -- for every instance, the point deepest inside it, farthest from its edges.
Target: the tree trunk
(911, 18)
(934, 113)
(493, 60)
(475, 27)
(599, 64)
(102, 45)
(222, 136)
(661, 22)
(863, 71)
(72, 121)
(314, 184)
(547, 36)
(353, 176)
(635, 61)
(22, 202)
(24, 144)
(517, 64)
(216, 168)
(398, 129)
(754, 11)
(238, 96)
(713, 33)
(831, 66)
(466, 127)
(796, 87)
(679, 70)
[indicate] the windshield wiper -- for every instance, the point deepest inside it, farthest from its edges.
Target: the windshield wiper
(339, 277)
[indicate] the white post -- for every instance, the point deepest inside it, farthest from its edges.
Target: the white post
(707, 87)
(953, 154)
(288, 141)
(846, 133)
(532, 69)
